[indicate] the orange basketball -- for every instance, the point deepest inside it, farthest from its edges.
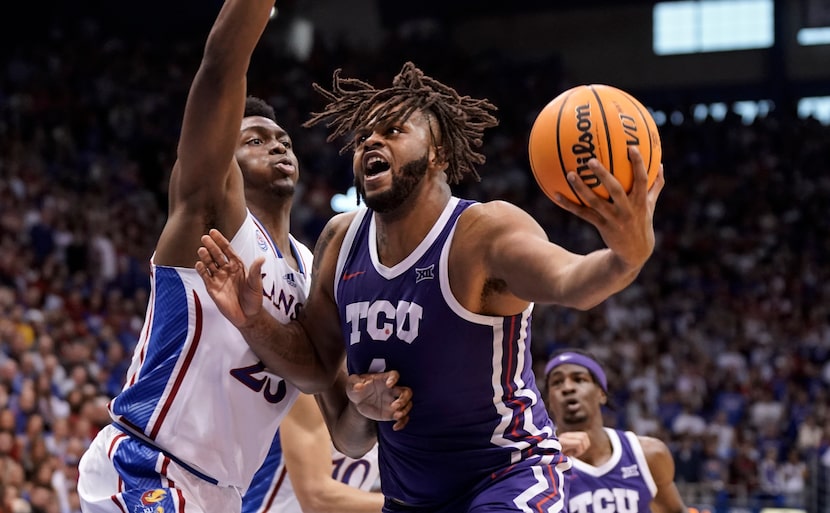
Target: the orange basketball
(591, 121)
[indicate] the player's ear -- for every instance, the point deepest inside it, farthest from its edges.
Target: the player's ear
(438, 157)
(438, 154)
(437, 151)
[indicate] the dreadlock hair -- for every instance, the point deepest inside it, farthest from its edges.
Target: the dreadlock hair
(258, 107)
(461, 119)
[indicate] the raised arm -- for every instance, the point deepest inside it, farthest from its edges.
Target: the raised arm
(206, 185)
(510, 240)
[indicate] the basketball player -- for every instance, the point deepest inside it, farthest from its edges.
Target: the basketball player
(308, 475)
(442, 289)
(199, 410)
(619, 471)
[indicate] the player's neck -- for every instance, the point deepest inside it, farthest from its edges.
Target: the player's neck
(277, 220)
(401, 231)
(600, 450)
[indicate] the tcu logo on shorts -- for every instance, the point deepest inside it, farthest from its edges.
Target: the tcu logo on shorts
(383, 319)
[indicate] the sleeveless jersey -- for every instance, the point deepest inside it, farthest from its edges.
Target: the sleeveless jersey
(272, 491)
(623, 484)
(194, 388)
(476, 407)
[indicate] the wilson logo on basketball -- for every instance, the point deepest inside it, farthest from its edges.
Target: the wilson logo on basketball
(629, 125)
(584, 149)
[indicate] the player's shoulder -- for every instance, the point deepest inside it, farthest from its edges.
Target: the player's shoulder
(334, 232)
(493, 212)
(340, 222)
(656, 451)
(495, 207)
(483, 221)
(497, 212)
(338, 225)
(651, 443)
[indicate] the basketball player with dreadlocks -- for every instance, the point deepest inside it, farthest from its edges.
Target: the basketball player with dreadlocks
(441, 289)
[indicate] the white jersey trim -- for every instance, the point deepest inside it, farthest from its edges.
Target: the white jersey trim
(404, 265)
(645, 471)
(346, 246)
(616, 455)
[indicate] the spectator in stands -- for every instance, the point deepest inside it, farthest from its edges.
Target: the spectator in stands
(769, 479)
(792, 476)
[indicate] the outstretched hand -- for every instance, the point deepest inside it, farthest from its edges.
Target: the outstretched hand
(625, 223)
(376, 397)
(236, 292)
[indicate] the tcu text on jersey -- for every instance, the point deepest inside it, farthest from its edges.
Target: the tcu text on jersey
(604, 500)
(380, 319)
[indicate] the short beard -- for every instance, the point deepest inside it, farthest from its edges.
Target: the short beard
(402, 186)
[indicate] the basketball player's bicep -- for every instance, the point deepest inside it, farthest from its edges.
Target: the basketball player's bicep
(521, 255)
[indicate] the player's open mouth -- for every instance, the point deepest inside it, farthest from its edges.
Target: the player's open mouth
(376, 164)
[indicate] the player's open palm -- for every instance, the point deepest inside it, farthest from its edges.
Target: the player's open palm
(236, 291)
(376, 396)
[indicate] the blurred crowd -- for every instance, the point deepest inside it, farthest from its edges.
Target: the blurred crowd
(721, 347)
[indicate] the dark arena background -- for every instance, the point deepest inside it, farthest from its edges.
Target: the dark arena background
(721, 348)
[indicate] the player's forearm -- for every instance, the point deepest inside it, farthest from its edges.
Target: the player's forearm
(594, 278)
(352, 434)
(286, 350)
(337, 497)
(215, 104)
(234, 36)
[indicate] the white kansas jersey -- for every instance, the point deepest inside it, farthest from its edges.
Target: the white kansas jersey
(194, 388)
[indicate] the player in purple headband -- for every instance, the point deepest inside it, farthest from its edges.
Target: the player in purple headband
(578, 358)
(618, 471)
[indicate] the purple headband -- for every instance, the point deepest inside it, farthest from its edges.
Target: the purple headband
(579, 359)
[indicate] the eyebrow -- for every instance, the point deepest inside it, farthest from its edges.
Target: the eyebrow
(572, 373)
(266, 130)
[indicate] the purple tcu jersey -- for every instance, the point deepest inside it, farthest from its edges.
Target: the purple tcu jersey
(476, 407)
(623, 484)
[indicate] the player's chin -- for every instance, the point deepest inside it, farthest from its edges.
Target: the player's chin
(283, 189)
(574, 418)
